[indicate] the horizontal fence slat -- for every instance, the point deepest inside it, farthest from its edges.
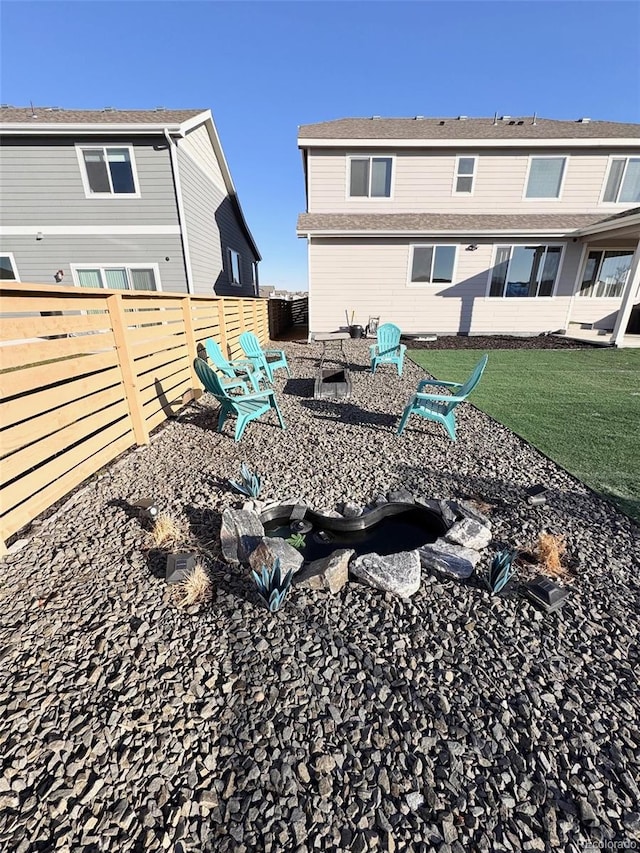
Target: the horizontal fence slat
(19, 328)
(54, 350)
(42, 426)
(162, 386)
(26, 305)
(23, 381)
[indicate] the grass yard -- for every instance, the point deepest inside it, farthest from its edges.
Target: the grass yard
(579, 407)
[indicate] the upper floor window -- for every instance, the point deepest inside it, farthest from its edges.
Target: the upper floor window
(525, 270)
(8, 269)
(117, 277)
(108, 170)
(432, 264)
(606, 273)
(623, 183)
(465, 175)
(370, 177)
(545, 177)
(234, 267)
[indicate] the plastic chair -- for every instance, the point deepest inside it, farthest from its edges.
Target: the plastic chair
(246, 407)
(441, 407)
(231, 369)
(267, 360)
(388, 350)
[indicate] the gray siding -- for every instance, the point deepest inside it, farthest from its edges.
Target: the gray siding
(38, 260)
(41, 184)
(212, 227)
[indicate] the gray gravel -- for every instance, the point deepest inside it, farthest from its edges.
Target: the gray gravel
(451, 721)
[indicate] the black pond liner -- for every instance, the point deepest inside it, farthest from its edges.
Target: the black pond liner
(388, 529)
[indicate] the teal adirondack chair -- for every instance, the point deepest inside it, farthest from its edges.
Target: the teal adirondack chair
(231, 369)
(388, 350)
(440, 407)
(267, 360)
(247, 407)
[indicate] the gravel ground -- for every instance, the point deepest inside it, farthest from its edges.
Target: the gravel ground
(451, 721)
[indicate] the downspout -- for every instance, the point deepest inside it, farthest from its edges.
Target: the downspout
(173, 154)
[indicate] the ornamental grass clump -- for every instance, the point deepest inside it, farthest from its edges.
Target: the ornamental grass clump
(272, 587)
(549, 550)
(196, 588)
(168, 532)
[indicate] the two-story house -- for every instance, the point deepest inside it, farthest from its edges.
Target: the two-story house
(138, 200)
(472, 226)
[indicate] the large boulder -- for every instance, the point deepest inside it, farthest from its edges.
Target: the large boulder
(395, 573)
(269, 548)
(451, 560)
(469, 533)
(240, 534)
(330, 572)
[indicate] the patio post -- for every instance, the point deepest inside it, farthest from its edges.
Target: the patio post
(630, 292)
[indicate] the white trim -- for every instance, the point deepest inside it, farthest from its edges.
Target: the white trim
(175, 168)
(473, 175)
(583, 264)
(81, 146)
(374, 198)
(13, 265)
(563, 177)
(434, 246)
(84, 230)
(614, 225)
(230, 253)
(511, 246)
(512, 142)
(78, 128)
(127, 265)
(612, 157)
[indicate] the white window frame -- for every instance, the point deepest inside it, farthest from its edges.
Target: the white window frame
(231, 253)
(454, 190)
(512, 246)
(80, 147)
(127, 266)
(434, 246)
(612, 157)
(583, 266)
(370, 156)
(13, 267)
(533, 157)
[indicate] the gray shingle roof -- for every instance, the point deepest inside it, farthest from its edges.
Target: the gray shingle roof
(47, 115)
(471, 128)
(416, 222)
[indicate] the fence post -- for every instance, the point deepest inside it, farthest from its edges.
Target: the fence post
(222, 325)
(127, 368)
(192, 347)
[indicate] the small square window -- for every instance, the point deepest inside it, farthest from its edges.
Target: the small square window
(370, 177)
(108, 171)
(432, 264)
(545, 177)
(623, 182)
(465, 174)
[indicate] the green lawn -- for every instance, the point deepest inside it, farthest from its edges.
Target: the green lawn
(580, 407)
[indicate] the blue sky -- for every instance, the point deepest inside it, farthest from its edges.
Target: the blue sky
(265, 67)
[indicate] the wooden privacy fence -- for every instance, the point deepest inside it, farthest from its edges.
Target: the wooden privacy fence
(86, 374)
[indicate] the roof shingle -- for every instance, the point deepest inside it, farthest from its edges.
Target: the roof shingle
(455, 222)
(470, 128)
(49, 115)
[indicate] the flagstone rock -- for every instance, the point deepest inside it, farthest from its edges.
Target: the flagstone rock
(330, 572)
(395, 573)
(469, 533)
(451, 560)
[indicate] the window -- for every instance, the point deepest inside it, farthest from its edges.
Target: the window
(623, 183)
(254, 277)
(8, 269)
(432, 264)
(465, 173)
(108, 171)
(525, 270)
(545, 177)
(370, 177)
(606, 273)
(234, 267)
(118, 277)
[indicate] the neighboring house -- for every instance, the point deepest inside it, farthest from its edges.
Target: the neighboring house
(472, 226)
(135, 199)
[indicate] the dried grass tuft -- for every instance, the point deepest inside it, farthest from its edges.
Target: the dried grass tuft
(550, 549)
(168, 532)
(196, 588)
